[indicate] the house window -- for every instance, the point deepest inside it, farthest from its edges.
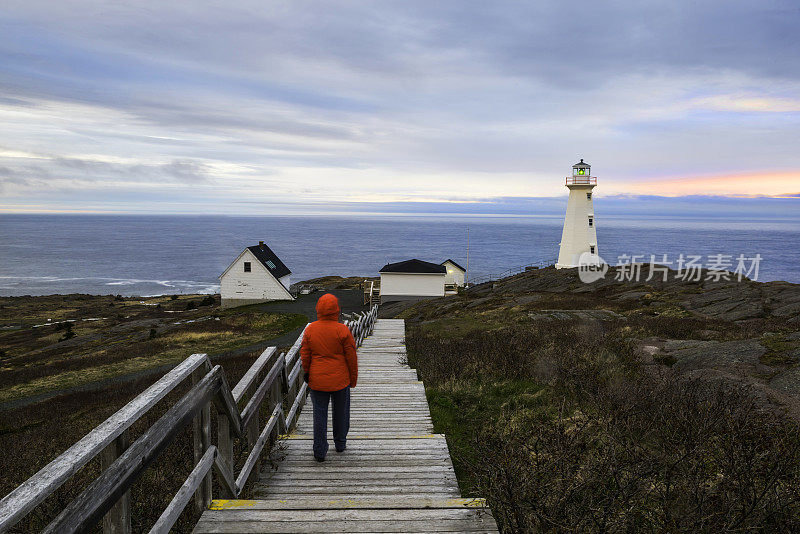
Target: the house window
(247, 267)
(591, 222)
(588, 196)
(591, 249)
(270, 264)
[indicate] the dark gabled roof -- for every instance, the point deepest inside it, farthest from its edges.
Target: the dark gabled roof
(454, 263)
(413, 266)
(580, 164)
(269, 260)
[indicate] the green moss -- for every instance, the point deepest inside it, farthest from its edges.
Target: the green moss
(779, 350)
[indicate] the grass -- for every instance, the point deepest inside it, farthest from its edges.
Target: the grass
(457, 409)
(35, 361)
(33, 435)
(97, 352)
(561, 428)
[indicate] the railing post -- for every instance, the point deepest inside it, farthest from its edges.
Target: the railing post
(253, 430)
(275, 397)
(201, 438)
(225, 444)
(118, 519)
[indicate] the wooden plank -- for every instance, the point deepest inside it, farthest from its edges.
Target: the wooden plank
(297, 403)
(364, 477)
(98, 497)
(201, 441)
(345, 514)
(376, 435)
(366, 459)
(251, 375)
(255, 452)
(295, 350)
(380, 446)
(393, 502)
(118, 519)
(344, 526)
(253, 405)
(33, 491)
(336, 490)
(369, 469)
(377, 463)
(194, 481)
(225, 475)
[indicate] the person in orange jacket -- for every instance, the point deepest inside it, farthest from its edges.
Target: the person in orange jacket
(330, 363)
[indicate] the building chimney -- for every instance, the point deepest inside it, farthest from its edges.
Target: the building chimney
(260, 243)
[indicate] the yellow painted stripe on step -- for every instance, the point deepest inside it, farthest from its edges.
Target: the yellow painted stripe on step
(231, 504)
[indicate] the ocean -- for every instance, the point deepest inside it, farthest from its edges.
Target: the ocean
(153, 255)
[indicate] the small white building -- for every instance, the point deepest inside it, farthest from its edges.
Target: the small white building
(580, 231)
(455, 274)
(412, 280)
(257, 275)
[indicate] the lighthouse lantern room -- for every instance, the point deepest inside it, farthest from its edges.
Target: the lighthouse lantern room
(580, 234)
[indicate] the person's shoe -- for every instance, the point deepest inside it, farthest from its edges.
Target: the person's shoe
(342, 449)
(317, 458)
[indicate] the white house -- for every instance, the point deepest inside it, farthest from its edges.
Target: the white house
(412, 280)
(455, 273)
(257, 275)
(580, 231)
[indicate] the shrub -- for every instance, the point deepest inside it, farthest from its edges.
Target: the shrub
(68, 333)
(596, 444)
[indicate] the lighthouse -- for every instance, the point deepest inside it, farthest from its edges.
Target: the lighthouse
(579, 235)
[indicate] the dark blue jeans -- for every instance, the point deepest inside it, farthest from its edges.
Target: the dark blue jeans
(341, 419)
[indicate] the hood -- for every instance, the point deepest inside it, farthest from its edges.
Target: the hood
(328, 307)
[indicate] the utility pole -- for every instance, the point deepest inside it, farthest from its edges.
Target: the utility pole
(466, 275)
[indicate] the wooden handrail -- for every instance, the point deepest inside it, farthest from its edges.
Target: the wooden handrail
(250, 376)
(37, 488)
(105, 493)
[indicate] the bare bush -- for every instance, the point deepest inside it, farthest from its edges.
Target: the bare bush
(611, 448)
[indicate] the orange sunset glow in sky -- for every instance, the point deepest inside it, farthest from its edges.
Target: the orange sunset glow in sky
(770, 184)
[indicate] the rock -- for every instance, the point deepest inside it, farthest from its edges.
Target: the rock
(631, 295)
(787, 381)
(478, 302)
(790, 309)
(580, 315)
(730, 302)
(736, 357)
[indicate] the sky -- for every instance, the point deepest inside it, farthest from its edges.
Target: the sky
(453, 106)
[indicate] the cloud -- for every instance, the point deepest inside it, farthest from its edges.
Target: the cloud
(38, 171)
(299, 102)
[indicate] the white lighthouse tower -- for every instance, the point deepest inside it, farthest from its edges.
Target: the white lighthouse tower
(579, 235)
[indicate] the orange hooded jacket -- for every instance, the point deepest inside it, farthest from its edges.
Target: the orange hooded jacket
(328, 350)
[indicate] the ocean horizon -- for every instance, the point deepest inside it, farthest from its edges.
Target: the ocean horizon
(143, 255)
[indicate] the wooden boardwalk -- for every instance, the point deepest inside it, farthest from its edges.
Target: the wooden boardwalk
(395, 476)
